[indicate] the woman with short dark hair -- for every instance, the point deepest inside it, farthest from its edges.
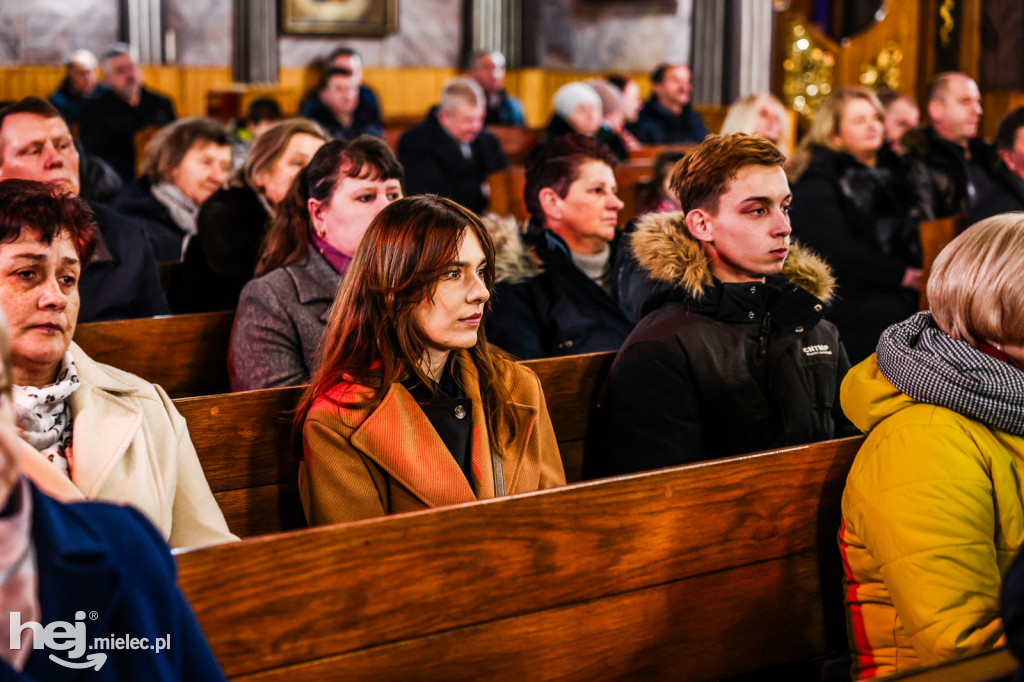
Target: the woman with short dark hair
(566, 298)
(411, 408)
(306, 253)
(185, 163)
(97, 432)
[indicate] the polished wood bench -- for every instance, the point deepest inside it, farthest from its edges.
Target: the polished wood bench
(698, 572)
(185, 354)
(243, 441)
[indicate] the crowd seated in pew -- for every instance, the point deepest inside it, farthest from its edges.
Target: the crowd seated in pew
(95, 432)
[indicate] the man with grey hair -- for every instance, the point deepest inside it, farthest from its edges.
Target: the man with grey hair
(449, 153)
(121, 107)
(80, 74)
(487, 67)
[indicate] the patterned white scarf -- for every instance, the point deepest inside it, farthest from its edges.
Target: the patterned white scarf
(44, 414)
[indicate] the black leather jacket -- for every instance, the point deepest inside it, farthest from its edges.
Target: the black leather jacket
(940, 168)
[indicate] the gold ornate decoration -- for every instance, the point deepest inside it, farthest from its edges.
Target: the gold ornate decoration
(884, 70)
(948, 24)
(808, 72)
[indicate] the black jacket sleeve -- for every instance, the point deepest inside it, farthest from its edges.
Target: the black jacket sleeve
(647, 415)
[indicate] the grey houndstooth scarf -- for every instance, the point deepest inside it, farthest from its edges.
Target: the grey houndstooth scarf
(932, 367)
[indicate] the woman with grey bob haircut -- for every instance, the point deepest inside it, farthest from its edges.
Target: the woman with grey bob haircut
(933, 513)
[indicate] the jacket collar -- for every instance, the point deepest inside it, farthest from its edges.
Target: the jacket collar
(106, 421)
(665, 249)
(75, 574)
(314, 278)
(428, 470)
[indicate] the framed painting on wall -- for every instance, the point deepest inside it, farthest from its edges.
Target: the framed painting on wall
(339, 17)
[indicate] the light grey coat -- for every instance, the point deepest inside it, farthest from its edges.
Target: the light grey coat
(279, 322)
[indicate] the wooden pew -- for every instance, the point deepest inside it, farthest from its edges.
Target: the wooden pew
(185, 354)
(934, 236)
(698, 572)
(243, 441)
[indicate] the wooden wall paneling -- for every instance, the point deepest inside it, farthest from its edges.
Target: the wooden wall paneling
(997, 104)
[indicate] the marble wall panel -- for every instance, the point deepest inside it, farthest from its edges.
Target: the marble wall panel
(627, 36)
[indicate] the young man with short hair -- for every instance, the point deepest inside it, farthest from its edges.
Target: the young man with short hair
(734, 355)
(668, 116)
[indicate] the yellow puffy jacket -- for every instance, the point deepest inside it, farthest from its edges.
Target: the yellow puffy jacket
(932, 519)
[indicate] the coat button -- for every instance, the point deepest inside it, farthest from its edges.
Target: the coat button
(460, 412)
(817, 307)
(798, 330)
(751, 314)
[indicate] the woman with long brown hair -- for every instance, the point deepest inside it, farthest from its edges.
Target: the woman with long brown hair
(410, 407)
(306, 253)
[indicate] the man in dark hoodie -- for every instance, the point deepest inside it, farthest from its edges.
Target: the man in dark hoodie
(734, 355)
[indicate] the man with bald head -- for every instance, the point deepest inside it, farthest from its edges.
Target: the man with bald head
(948, 160)
(122, 280)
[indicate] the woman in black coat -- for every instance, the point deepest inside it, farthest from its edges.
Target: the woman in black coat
(854, 203)
(231, 224)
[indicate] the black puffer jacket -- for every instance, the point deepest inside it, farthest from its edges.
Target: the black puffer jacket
(718, 369)
(940, 169)
(545, 306)
(864, 222)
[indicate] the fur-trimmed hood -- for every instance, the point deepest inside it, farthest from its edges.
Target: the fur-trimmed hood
(513, 260)
(664, 248)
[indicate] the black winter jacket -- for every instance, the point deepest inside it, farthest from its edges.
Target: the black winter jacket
(550, 307)
(434, 163)
(137, 200)
(221, 259)
(718, 369)
(864, 222)
(940, 169)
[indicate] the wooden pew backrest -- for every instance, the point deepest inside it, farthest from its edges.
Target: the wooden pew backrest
(698, 572)
(243, 441)
(185, 354)
(934, 236)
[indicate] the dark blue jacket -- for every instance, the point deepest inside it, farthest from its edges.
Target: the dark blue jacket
(560, 310)
(122, 281)
(109, 562)
(508, 111)
(658, 125)
(68, 102)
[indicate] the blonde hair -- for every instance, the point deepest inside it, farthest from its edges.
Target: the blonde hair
(825, 125)
(269, 147)
(976, 286)
(742, 118)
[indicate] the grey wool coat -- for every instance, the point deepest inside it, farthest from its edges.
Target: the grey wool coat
(279, 322)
